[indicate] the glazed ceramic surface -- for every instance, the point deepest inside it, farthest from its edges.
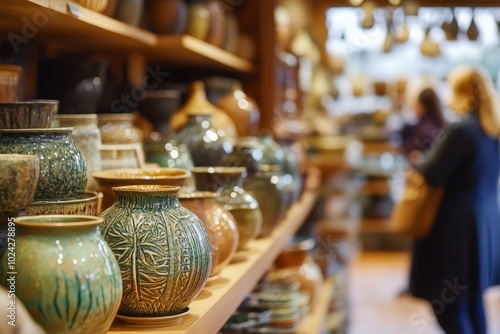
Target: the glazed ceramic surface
(270, 192)
(220, 224)
(169, 154)
(27, 115)
(162, 248)
(62, 166)
(207, 146)
(76, 83)
(129, 11)
(158, 107)
(242, 205)
(198, 104)
(118, 129)
(198, 20)
(18, 179)
(67, 277)
(87, 138)
(169, 16)
(216, 32)
(84, 206)
(108, 179)
(242, 110)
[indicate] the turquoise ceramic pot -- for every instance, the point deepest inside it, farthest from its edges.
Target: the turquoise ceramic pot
(62, 166)
(162, 248)
(67, 277)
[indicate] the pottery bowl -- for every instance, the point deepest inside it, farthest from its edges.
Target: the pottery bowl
(87, 205)
(18, 180)
(27, 114)
(108, 179)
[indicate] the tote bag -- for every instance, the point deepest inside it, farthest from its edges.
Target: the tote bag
(415, 213)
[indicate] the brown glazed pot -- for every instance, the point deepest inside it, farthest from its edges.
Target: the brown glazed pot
(168, 16)
(297, 257)
(10, 76)
(242, 110)
(220, 225)
(242, 205)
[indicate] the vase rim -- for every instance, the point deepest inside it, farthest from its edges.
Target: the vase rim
(10, 67)
(199, 195)
(161, 173)
(147, 188)
(68, 221)
(87, 196)
(30, 103)
(220, 170)
(67, 130)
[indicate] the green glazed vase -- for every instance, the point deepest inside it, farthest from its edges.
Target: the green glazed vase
(67, 277)
(241, 204)
(162, 248)
(63, 169)
(269, 190)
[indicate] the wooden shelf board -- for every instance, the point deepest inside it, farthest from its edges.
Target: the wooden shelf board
(315, 321)
(188, 50)
(220, 298)
(87, 31)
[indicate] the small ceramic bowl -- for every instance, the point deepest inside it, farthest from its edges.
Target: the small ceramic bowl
(87, 205)
(18, 180)
(108, 179)
(34, 114)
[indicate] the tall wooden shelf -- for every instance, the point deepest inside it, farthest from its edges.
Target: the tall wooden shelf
(68, 26)
(220, 298)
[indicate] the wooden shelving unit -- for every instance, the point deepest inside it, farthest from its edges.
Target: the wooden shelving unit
(67, 26)
(220, 298)
(188, 50)
(70, 25)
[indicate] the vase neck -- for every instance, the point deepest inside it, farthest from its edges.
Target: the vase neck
(148, 200)
(200, 120)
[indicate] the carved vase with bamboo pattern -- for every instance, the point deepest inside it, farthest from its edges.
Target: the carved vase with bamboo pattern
(162, 249)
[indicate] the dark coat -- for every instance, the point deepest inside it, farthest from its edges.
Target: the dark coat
(420, 136)
(461, 254)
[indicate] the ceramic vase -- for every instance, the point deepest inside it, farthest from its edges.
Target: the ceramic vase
(242, 110)
(220, 225)
(18, 181)
(129, 11)
(118, 129)
(198, 104)
(66, 275)
(169, 154)
(297, 258)
(269, 190)
(168, 16)
(198, 20)
(242, 205)
(162, 249)
(87, 138)
(63, 170)
(207, 146)
(216, 28)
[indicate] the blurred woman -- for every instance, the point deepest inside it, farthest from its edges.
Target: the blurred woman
(460, 257)
(419, 138)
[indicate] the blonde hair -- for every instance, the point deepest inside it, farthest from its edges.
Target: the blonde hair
(472, 90)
